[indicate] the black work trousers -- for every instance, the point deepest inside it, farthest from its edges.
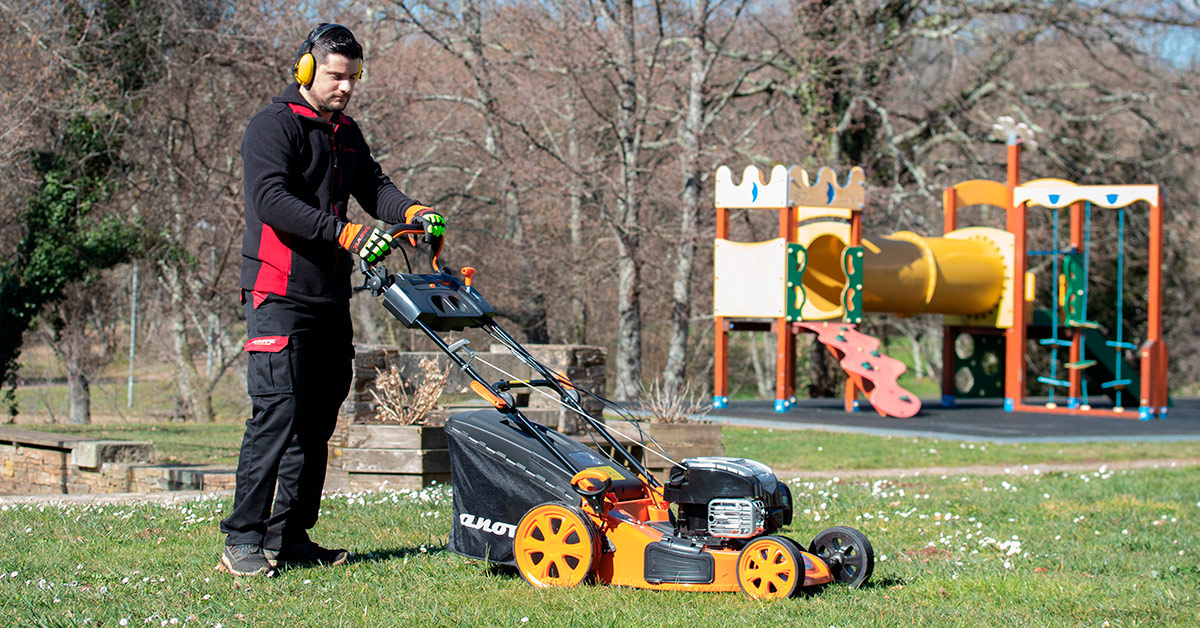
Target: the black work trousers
(300, 360)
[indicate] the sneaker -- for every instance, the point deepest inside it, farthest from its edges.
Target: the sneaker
(307, 553)
(245, 560)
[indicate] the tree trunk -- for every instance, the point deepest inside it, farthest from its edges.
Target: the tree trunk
(764, 382)
(919, 367)
(629, 299)
(577, 323)
(80, 395)
(675, 372)
(196, 405)
(629, 325)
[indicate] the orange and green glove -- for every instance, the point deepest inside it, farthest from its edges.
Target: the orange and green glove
(433, 222)
(365, 241)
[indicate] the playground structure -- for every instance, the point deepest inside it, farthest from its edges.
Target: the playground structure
(821, 275)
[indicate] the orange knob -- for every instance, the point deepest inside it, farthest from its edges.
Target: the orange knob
(468, 272)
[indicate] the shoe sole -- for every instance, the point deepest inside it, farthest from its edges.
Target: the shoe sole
(226, 568)
(280, 564)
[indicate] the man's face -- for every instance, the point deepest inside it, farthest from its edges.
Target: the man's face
(333, 82)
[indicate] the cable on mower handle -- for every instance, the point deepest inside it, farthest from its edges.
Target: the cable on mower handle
(411, 229)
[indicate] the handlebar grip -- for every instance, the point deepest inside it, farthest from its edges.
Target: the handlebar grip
(405, 228)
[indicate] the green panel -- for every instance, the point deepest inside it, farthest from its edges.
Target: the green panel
(985, 365)
(797, 260)
(852, 307)
(1095, 347)
(1075, 289)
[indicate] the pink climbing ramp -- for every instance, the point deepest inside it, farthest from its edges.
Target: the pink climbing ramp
(875, 373)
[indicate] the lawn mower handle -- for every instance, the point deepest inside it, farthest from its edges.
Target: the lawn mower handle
(411, 229)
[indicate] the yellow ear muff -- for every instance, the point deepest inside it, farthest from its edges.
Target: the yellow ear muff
(305, 69)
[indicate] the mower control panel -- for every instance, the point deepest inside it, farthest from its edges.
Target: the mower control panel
(441, 302)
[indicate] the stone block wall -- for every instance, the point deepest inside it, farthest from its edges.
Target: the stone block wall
(42, 462)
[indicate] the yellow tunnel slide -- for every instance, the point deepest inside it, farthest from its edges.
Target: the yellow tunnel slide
(965, 272)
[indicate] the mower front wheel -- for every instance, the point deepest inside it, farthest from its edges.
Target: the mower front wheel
(847, 552)
(555, 546)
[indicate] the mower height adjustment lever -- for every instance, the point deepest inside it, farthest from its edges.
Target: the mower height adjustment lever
(593, 496)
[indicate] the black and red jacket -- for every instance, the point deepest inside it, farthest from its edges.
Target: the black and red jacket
(300, 172)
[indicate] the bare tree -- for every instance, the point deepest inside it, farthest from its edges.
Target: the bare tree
(189, 184)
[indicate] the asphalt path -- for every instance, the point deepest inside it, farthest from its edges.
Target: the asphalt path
(970, 420)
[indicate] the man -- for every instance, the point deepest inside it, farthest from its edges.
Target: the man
(303, 160)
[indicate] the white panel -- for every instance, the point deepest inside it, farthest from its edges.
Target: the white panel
(1111, 196)
(749, 278)
(752, 191)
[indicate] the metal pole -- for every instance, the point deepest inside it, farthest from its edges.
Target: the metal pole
(132, 333)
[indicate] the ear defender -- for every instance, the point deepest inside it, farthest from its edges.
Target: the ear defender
(305, 68)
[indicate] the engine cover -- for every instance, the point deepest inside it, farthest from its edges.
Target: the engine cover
(727, 498)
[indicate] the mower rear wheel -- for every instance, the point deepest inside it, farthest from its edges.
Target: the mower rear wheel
(770, 567)
(555, 546)
(847, 552)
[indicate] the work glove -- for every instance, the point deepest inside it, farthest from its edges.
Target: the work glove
(434, 224)
(365, 241)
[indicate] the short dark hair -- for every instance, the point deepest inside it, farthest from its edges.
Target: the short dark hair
(336, 41)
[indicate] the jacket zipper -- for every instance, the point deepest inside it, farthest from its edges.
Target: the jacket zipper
(335, 184)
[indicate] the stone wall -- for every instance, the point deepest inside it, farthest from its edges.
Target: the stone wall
(42, 462)
(37, 463)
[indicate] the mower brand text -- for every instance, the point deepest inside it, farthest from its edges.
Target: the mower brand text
(499, 528)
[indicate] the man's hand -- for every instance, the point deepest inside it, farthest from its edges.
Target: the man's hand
(365, 241)
(433, 222)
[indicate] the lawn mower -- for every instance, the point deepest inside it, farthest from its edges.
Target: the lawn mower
(564, 513)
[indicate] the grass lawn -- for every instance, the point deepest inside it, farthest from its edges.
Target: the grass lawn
(152, 398)
(1087, 549)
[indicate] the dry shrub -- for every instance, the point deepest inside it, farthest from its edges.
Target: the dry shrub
(673, 406)
(410, 401)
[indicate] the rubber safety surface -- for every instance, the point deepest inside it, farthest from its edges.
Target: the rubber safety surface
(969, 420)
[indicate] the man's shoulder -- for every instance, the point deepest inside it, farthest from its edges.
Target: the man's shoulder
(274, 118)
(273, 110)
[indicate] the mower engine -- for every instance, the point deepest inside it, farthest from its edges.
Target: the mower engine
(727, 498)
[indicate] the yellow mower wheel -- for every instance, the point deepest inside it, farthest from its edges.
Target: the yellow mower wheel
(770, 567)
(555, 546)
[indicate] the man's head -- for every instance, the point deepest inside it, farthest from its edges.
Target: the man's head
(327, 67)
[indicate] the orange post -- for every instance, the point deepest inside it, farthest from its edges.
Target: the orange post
(785, 347)
(1153, 402)
(853, 383)
(1075, 375)
(721, 331)
(949, 210)
(1014, 345)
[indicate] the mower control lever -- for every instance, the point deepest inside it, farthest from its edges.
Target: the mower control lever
(593, 496)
